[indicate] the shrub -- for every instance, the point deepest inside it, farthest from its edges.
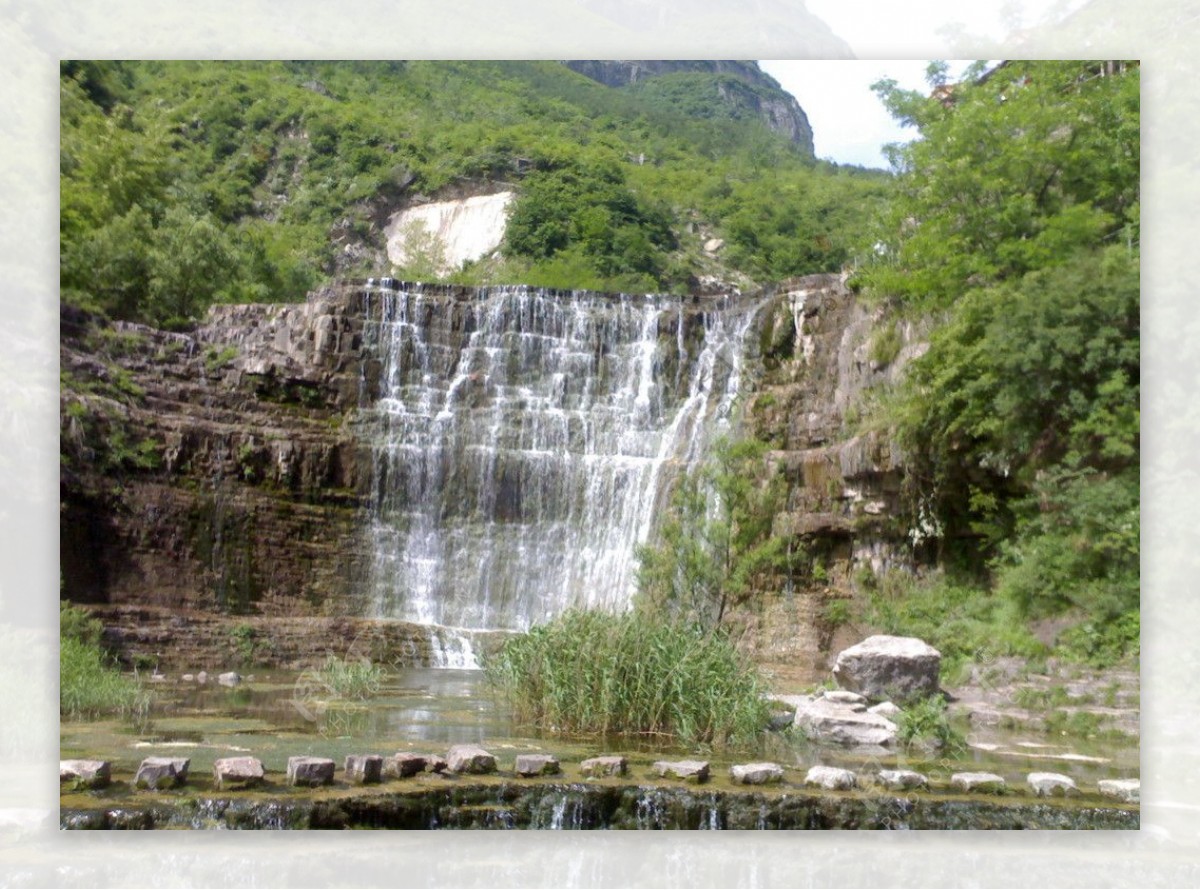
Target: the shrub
(925, 722)
(350, 679)
(630, 674)
(90, 685)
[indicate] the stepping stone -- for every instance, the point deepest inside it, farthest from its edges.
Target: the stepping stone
(600, 767)
(244, 771)
(1049, 784)
(755, 773)
(85, 773)
(985, 782)
(1127, 790)
(470, 759)
(536, 765)
(304, 770)
(229, 678)
(364, 769)
(161, 772)
(404, 764)
(831, 778)
(687, 770)
(902, 779)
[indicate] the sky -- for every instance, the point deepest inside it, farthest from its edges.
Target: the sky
(849, 123)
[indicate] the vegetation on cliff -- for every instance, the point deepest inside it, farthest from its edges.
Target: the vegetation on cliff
(90, 684)
(187, 183)
(1016, 226)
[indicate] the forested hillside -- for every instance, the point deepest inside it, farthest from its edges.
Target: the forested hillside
(189, 183)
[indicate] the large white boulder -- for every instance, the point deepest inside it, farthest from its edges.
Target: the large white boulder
(844, 723)
(889, 668)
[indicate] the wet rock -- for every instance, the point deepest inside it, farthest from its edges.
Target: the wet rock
(844, 724)
(1127, 790)
(229, 678)
(404, 764)
(985, 782)
(363, 769)
(79, 774)
(536, 765)
(161, 772)
(687, 770)
(435, 763)
(780, 719)
(304, 770)
(887, 710)
(243, 771)
(1049, 784)
(470, 759)
(831, 778)
(608, 765)
(755, 773)
(886, 667)
(902, 779)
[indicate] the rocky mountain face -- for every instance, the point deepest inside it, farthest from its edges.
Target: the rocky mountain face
(223, 478)
(741, 87)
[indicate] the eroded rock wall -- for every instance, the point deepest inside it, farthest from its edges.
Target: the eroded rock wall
(824, 353)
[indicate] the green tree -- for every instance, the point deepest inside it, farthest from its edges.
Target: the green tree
(716, 541)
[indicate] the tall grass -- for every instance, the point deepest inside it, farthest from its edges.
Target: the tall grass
(90, 684)
(345, 678)
(598, 673)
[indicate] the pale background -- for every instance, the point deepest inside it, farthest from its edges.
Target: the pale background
(34, 35)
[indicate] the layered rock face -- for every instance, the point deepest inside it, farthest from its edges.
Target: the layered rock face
(745, 88)
(821, 351)
(453, 456)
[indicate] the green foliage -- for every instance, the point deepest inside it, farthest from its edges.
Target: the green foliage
(1015, 173)
(716, 541)
(188, 183)
(90, 685)
(926, 723)
(1103, 642)
(885, 345)
(633, 674)
(963, 621)
(350, 678)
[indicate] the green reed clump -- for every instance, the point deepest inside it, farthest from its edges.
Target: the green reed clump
(90, 683)
(630, 674)
(346, 678)
(925, 722)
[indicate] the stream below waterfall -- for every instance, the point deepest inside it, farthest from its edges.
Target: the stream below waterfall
(428, 710)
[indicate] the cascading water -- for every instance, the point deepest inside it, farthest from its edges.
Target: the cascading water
(523, 441)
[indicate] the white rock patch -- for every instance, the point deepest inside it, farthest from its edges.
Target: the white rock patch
(461, 231)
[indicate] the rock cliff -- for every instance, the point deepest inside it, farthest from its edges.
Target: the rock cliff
(223, 476)
(739, 87)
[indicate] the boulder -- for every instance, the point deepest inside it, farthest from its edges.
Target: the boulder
(902, 779)
(831, 778)
(986, 782)
(885, 667)
(1127, 790)
(844, 697)
(755, 773)
(202, 677)
(436, 763)
(363, 769)
(404, 764)
(188, 678)
(244, 771)
(229, 678)
(81, 774)
(1050, 784)
(844, 724)
(161, 772)
(470, 759)
(886, 709)
(599, 767)
(536, 765)
(304, 770)
(687, 770)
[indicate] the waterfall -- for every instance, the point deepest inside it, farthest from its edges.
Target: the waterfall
(523, 441)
